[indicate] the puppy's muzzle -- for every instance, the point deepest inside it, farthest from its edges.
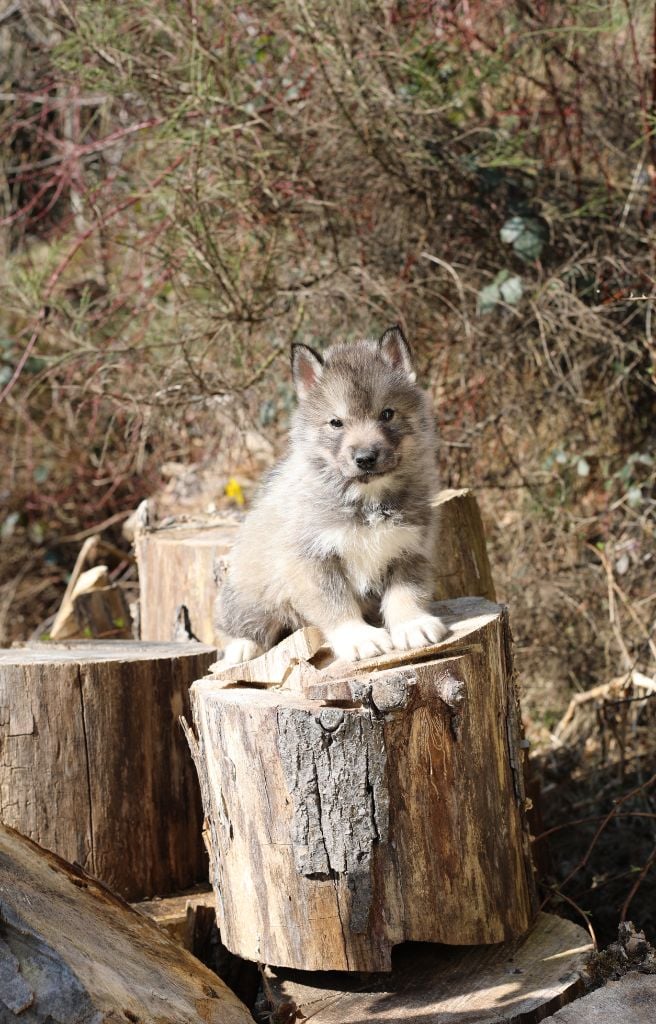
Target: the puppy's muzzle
(366, 458)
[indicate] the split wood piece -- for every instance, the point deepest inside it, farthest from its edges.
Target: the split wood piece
(297, 660)
(387, 806)
(275, 666)
(461, 559)
(183, 562)
(518, 982)
(103, 613)
(65, 621)
(73, 953)
(93, 763)
(175, 914)
(92, 606)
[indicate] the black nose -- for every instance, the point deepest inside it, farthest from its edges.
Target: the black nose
(365, 458)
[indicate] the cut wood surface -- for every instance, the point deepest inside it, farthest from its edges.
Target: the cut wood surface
(73, 953)
(519, 982)
(93, 763)
(183, 562)
(380, 804)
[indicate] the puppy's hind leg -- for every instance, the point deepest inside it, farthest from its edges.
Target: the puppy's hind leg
(245, 631)
(241, 649)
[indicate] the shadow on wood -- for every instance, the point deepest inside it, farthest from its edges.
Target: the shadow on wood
(519, 982)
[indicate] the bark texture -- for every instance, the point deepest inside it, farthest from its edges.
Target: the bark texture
(382, 802)
(183, 563)
(73, 953)
(93, 763)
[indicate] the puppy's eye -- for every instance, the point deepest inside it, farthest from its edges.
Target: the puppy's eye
(386, 415)
(336, 423)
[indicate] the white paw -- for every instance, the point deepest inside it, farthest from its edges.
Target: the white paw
(356, 641)
(241, 650)
(418, 632)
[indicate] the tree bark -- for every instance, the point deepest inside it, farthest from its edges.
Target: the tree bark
(183, 563)
(73, 953)
(381, 803)
(93, 763)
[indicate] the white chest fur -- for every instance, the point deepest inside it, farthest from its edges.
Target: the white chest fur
(367, 550)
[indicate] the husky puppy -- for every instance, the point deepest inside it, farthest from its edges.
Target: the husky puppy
(341, 534)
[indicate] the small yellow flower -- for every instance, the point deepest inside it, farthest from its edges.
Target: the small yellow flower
(234, 492)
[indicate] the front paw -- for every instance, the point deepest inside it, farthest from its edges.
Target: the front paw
(355, 641)
(418, 632)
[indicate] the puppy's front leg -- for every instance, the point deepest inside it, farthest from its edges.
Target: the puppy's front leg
(405, 605)
(329, 603)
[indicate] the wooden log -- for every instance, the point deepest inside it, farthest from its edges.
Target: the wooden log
(73, 953)
(514, 983)
(183, 562)
(190, 919)
(378, 805)
(461, 559)
(93, 763)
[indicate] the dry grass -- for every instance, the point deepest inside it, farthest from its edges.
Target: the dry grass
(189, 187)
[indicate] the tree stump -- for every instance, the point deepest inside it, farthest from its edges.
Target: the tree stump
(73, 953)
(360, 806)
(93, 763)
(183, 563)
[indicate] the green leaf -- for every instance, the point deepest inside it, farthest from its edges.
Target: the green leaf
(506, 287)
(527, 236)
(511, 290)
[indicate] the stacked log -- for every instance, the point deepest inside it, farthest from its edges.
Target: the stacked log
(93, 763)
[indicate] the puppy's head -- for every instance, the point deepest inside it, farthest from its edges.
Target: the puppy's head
(361, 415)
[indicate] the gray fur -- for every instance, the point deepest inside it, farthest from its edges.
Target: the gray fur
(324, 536)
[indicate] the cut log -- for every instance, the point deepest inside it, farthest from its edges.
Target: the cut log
(380, 804)
(515, 983)
(183, 562)
(93, 763)
(73, 953)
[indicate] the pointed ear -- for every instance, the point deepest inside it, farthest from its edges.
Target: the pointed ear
(395, 350)
(307, 367)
